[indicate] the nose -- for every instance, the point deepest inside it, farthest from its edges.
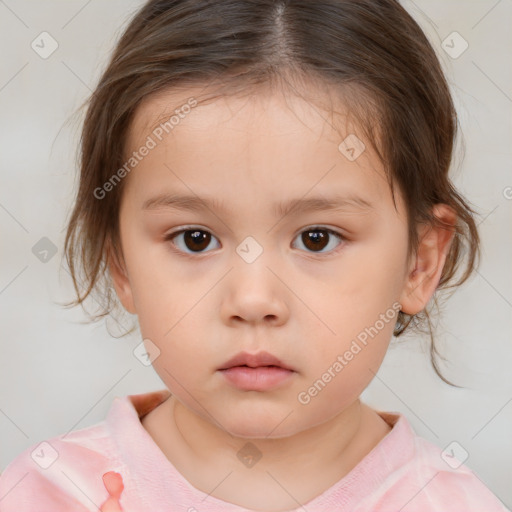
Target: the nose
(255, 294)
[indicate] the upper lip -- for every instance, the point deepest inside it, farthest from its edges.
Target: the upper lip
(254, 361)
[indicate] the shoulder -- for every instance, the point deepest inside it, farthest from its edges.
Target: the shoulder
(61, 473)
(437, 479)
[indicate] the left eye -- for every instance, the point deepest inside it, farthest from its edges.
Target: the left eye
(317, 238)
(314, 239)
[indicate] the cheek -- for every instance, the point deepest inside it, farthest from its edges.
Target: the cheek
(154, 282)
(333, 386)
(374, 277)
(345, 370)
(359, 306)
(358, 291)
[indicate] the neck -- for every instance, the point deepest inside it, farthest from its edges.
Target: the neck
(271, 474)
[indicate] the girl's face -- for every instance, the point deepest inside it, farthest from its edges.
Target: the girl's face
(319, 287)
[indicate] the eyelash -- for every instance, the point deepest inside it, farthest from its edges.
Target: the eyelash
(170, 236)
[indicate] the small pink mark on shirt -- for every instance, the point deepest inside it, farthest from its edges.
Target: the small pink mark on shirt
(114, 484)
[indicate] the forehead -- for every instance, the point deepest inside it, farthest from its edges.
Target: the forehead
(314, 110)
(265, 139)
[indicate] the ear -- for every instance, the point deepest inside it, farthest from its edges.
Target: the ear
(120, 279)
(428, 263)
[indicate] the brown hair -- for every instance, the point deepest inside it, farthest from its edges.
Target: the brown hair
(371, 52)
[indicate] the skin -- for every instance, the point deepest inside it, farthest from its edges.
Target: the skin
(305, 307)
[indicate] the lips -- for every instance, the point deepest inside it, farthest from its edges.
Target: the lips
(255, 361)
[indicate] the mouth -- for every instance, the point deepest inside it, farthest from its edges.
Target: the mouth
(253, 361)
(248, 366)
(258, 378)
(257, 372)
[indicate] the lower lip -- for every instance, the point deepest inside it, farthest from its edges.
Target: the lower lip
(257, 379)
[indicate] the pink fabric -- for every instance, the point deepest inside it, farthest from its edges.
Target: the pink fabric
(116, 466)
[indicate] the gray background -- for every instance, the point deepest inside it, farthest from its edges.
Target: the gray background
(58, 373)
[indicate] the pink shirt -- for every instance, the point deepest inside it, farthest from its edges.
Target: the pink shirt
(115, 465)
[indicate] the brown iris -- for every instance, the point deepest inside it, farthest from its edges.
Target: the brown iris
(196, 239)
(315, 239)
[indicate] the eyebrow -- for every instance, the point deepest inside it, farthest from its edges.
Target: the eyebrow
(281, 209)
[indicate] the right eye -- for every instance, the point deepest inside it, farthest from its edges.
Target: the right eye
(195, 239)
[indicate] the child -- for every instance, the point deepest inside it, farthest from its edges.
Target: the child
(264, 183)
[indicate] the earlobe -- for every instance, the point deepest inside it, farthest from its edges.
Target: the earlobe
(120, 280)
(428, 263)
